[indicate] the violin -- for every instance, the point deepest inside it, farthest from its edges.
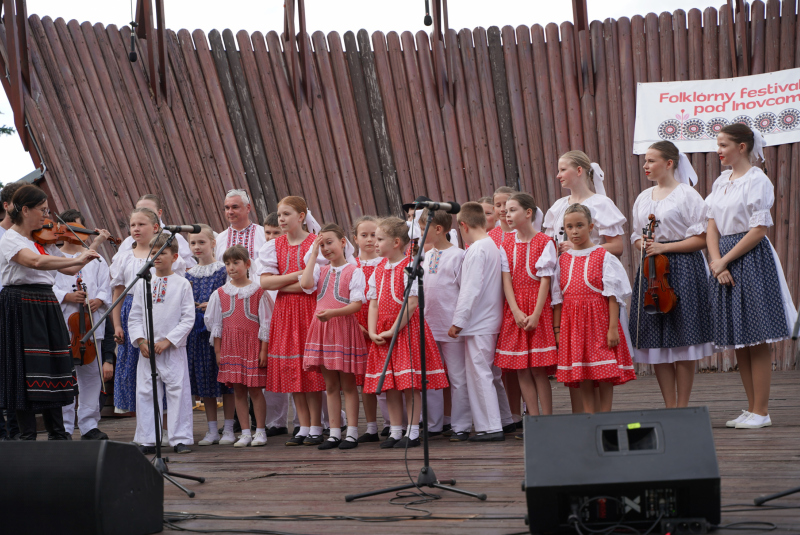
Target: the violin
(54, 232)
(659, 297)
(79, 324)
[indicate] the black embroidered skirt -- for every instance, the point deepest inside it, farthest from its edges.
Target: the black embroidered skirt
(35, 361)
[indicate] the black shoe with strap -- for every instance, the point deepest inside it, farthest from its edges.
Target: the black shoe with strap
(389, 443)
(314, 440)
(94, 434)
(348, 443)
(330, 444)
(369, 437)
(182, 448)
(406, 442)
(277, 431)
(297, 440)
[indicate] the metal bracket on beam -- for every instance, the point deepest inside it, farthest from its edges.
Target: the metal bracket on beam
(145, 29)
(302, 64)
(445, 75)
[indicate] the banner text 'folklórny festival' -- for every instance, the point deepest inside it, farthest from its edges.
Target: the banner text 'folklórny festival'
(691, 113)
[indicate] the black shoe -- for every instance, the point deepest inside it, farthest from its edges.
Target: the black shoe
(488, 437)
(407, 442)
(94, 434)
(459, 437)
(389, 443)
(385, 432)
(147, 450)
(330, 444)
(295, 431)
(276, 431)
(181, 448)
(519, 424)
(519, 437)
(297, 440)
(433, 433)
(326, 431)
(510, 428)
(447, 430)
(314, 440)
(369, 437)
(349, 444)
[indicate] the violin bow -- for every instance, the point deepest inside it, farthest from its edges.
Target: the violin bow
(97, 348)
(641, 281)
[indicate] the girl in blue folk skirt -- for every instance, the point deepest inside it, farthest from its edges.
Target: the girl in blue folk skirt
(750, 301)
(206, 278)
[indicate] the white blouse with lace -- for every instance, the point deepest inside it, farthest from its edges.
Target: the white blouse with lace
(607, 218)
(738, 205)
(681, 214)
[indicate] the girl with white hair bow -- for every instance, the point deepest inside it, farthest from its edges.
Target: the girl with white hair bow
(674, 341)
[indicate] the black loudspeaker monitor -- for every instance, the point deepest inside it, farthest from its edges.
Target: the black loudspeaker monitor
(620, 466)
(81, 487)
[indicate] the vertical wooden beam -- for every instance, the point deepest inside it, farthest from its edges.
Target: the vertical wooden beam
(742, 29)
(732, 40)
(163, 62)
(582, 53)
(17, 57)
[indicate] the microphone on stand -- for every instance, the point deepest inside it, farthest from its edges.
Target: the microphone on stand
(132, 55)
(191, 229)
(428, 20)
(449, 207)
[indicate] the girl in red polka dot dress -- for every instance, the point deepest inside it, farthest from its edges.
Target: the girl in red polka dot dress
(335, 345)
(403, 376)
(283, 260)
(589, 288)
(526, 343)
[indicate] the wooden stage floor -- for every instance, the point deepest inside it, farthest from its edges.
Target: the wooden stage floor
(276, 480)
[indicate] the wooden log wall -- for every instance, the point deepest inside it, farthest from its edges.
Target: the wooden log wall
(374, 135)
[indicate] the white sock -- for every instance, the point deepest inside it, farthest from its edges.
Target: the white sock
(213, 428)
(352, 432)
(303, 431)
(246, 432)
(372, 428)
(414, 432)
(316, 430)
(396, 432)
(228, 426)
(446, 420)
(336, 433)
(261, 430)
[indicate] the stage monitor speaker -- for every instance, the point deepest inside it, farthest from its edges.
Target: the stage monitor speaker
(81, 487)
(629, 467)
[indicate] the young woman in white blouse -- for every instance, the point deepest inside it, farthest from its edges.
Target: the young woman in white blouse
(750, 302)
(584, 180)
(672, 341)
(34, 342)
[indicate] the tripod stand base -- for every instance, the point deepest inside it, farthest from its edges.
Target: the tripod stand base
(160, 464)
(761, 500)
(426, 479)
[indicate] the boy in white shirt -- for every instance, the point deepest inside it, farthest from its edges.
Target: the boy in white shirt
(478, 318)
(173, 319)
(97, 281)
(442, 280)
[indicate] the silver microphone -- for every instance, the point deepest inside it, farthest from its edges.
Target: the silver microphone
(191, 229)
(449, 207)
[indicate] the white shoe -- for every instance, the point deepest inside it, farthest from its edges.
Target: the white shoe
(244, 441)
(209, 439)
(260, 439)
(227, 439)
(755, 421)
(164, 439)
(742, 417)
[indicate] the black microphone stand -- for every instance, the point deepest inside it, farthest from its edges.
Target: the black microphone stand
(426, 478)
(159, 462)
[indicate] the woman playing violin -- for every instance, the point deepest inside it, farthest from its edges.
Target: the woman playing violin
(672, 341)
(34, 344)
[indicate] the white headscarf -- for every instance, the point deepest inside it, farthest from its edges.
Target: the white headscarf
(685, 173)
(311, 224)
(758, 144)
(349, 253)
(414, 232)
(598, 176)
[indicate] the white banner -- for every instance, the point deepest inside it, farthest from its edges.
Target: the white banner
(690, 114)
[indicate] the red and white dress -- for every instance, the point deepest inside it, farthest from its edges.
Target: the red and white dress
(584, 281)
(517, 348)
(240, 317)
(387, 285)
(291, 319)
(338, 344)
(498, 236)
(368, 267)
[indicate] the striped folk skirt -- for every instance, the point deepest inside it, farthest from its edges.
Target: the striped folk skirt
(757, 308)
(36, 369)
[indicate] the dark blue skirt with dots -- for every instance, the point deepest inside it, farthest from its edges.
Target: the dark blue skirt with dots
(688, 322)
(127, 361)
(751, 311)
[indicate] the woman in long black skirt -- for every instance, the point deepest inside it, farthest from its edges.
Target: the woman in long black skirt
(35, 361)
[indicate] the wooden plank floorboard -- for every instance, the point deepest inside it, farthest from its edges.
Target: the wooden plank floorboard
(276, 480)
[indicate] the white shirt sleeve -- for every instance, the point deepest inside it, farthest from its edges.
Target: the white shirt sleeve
(265, 307)
(537, 220)
(62, 286)
(638, 225)
(556, 297)
(104, 290)
(357, 285)
(213, 316)
(548, 261)
(185, 301)
(472, 278)
(615, 279)
(760, 198)
(549, 222)
(505, 267)
(268, 259)
(695, 213)
(136, 329)
(372, 293)
(316, 280)
(119, 263)
(609, 220)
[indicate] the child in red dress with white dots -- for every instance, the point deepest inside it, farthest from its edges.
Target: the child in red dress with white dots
(403, 376)
(589, 287)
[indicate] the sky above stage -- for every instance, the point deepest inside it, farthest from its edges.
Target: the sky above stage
(323, 15)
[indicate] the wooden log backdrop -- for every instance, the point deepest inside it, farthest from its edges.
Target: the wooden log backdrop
(375, 135)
